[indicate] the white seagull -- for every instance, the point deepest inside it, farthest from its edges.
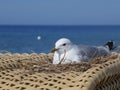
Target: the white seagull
(67, 52)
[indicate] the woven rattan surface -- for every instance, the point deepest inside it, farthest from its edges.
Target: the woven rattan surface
(36, 72)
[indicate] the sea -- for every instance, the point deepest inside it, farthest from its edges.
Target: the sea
(42, 38)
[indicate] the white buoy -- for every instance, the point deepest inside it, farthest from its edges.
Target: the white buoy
(38, 37)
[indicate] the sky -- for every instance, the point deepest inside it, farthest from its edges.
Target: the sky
(59, 12)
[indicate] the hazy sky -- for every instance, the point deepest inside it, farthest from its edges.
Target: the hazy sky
(60, 12)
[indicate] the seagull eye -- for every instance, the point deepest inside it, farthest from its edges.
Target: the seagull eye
(64, 44)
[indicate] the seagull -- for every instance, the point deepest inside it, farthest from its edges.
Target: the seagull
(67, 52)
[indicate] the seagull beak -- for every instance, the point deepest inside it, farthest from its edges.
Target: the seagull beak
(53, 50)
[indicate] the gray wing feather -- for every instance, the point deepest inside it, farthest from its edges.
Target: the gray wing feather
(89, 52)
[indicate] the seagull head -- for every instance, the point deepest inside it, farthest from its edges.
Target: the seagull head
(62, 45)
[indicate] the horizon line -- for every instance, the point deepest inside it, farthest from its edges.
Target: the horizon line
(52, 25)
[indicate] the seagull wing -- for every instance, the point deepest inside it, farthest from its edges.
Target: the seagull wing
(89, 52)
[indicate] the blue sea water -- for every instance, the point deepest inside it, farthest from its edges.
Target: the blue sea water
(23, 39)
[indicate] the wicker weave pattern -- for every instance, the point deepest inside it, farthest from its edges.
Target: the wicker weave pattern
(17, 74)
(102, 77)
